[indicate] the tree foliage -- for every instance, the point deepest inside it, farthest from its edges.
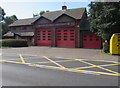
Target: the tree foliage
(10, 19)
(104, 18)
(42, 12)
(7, 21)
(2, 13)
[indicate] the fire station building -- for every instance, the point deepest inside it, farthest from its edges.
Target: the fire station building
(63, 28)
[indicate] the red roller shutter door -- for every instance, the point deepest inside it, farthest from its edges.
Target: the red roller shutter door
(65, 37)
(43, 37)
(90, 40)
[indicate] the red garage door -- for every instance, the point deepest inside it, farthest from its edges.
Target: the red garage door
(65, 37)
(43, 37)
(91, 41)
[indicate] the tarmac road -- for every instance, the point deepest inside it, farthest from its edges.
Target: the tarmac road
(23, 75)
(46, 66)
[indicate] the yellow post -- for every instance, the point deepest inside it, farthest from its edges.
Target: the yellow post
(115, 44)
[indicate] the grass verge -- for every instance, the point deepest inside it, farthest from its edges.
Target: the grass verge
(5, 47)
(105, 53)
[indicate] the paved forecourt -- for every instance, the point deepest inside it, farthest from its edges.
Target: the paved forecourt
(82, 65)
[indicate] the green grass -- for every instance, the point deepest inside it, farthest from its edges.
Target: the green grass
(5, 47)
(105, 53)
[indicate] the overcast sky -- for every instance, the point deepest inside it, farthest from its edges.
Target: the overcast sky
(27, 9)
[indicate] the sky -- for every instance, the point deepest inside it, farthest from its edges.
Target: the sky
(27, 9)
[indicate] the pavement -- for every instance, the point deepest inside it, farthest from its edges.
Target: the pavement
(85, 62)
(93, 54)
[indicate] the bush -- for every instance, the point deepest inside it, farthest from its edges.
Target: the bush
(14, 42)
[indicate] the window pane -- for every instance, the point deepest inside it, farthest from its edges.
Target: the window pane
(65, 30)
(71, 30)
(49, 31)
(59, 33)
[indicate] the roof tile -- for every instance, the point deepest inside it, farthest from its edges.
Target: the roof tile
(27, 21)
(76, 13)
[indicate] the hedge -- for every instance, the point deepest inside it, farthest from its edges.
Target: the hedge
(14, 42)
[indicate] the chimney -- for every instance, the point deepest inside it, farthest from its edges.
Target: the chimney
(64, 8)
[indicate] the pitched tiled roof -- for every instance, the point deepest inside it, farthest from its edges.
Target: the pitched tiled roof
(75, 13)
(28, 21)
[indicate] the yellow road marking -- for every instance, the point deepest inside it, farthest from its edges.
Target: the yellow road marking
(103, 61)
(65, 68)
(46, 66)
(65, 58)
(117, 74)
(81, 70)
(22, 59)
(71, 59)
(53, 62)
(108, 65)
(90, 60)
(11, 61)
(29, 64)
(97, 66)
(83, 67)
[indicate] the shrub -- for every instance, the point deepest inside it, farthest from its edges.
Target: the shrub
(14, 42)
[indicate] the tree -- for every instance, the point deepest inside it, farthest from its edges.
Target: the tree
(104, 18)
(8, 20)
(42, 12)
(2, 13)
